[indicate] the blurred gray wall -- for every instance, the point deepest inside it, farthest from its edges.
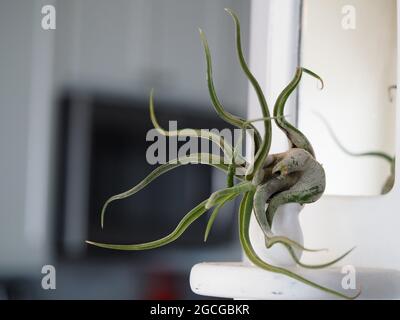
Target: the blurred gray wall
(16, 80)
(136, 45)
(119, 46)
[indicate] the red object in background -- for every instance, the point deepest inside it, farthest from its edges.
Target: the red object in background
(163, 285)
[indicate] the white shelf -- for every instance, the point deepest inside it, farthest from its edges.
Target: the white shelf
(239, 280)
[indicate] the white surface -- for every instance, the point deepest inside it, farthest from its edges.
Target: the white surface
(242, 281)
(370, 223)
(357, 66)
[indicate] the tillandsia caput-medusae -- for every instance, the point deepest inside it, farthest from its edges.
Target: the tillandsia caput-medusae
(265, 183)
(389, 182)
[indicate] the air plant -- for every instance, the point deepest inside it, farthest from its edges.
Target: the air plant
(389, 183)
(265, 183)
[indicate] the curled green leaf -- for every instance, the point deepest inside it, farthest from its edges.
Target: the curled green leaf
(262, 153)
(235, 190)
(215, 213)
(187, 220)
(378, 154)
(297, 138)
(312, 266)
(222, 113)
(196, 133)
(201, 158)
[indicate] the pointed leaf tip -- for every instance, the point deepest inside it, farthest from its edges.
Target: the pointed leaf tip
(230, 11)
(313, 74)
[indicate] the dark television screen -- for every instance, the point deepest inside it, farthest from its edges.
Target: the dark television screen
(103, 152)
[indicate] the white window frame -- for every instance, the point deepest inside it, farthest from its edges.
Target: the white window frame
(335, 222)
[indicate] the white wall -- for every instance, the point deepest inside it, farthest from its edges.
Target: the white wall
(369, 223)
(357, 66)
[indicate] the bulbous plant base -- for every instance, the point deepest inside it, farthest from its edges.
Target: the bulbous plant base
(240, 280)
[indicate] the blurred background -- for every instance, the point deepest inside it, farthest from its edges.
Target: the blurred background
(73, 122)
